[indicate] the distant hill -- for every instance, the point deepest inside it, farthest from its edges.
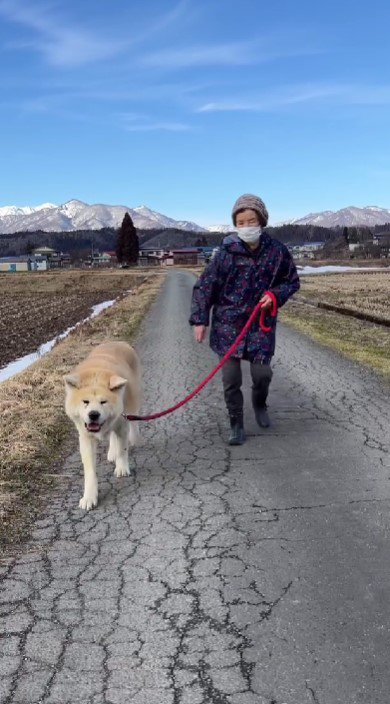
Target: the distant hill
(347, 217)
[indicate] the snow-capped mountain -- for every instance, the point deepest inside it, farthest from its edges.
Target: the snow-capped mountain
(347, 217)
(76, 215)
(223, 229)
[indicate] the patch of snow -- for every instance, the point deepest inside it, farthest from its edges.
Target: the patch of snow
(336, 269)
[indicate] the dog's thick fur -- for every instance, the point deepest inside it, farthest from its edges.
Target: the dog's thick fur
(97, 392)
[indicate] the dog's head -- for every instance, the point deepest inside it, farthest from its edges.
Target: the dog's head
(96, 402)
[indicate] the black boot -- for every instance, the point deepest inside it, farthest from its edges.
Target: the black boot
(237, 435)
(261, 378)
(261, 415)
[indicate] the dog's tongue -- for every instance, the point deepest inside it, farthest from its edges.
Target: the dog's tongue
(93, 427)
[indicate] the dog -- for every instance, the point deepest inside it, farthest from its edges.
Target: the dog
(97, 392)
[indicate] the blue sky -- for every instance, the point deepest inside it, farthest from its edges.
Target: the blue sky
(183, 105)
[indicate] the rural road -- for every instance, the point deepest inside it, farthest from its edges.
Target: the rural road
(247, 575)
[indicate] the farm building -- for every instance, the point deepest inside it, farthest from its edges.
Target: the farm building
(24, 262)
(185, 257)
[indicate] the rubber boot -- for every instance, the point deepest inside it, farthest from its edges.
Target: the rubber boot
(259, 405)
(262, 417)
(237, 434)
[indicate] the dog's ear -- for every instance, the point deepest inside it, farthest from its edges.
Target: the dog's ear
(72, 380)
(116, 382)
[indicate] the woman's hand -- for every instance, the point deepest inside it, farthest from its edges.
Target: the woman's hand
(266, 302)
(199, 332)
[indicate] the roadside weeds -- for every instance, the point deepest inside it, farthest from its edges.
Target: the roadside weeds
(358, 340)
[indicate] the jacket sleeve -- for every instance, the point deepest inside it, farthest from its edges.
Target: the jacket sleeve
(286, 281)
(205, 292)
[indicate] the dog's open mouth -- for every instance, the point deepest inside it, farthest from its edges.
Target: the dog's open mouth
(93, 427)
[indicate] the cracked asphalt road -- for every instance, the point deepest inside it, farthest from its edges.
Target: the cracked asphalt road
(215, 574)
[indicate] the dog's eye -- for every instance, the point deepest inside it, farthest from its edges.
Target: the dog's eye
(86, 402)
(102, 403)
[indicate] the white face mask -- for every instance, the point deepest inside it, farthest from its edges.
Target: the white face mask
(249, 235)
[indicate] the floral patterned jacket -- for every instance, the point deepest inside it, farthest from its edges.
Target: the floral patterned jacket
(232, 284)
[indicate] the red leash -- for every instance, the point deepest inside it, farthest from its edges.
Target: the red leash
(224, 359)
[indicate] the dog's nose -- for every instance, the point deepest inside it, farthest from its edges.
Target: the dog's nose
(94, 415)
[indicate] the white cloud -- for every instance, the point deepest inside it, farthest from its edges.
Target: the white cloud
(337, 94)
(265, 48)
(60, 43)
(216, 55)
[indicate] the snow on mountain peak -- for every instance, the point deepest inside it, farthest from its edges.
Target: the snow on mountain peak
(77, 215)
(351, 216)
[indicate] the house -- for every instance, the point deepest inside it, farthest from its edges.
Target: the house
(151, 257)
(189, 256)
(307, 250)
(384, 244)
(354, 246)
(102, 259)
(382, 240)
(53, 258)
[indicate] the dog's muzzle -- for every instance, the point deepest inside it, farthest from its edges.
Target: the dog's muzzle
(94, 424)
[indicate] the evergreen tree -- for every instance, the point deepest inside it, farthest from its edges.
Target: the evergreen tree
(127, 245)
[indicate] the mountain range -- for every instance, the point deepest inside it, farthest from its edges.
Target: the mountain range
(76, 215)
(346, 217)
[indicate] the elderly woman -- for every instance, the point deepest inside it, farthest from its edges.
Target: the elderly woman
(248, 264)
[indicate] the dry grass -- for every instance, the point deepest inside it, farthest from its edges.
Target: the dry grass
(367, 292)
(34, 428)
(362, 342)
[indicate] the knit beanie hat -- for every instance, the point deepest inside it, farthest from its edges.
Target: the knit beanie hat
(254, 203)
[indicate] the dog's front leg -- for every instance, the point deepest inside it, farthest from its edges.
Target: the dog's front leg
(122, 450)
(88, 457)
(112, 450)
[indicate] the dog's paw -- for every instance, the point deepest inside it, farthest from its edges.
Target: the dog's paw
(88, 502)
(111, 455)
(122, 470)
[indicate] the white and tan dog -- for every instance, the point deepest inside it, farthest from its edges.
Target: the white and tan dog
(97, 392)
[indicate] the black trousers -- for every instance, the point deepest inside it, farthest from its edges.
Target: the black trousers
(232, 380)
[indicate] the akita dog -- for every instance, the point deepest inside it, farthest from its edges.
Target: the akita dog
(97, 392)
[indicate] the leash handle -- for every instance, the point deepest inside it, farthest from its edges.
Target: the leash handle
(264, 328)
(273, 312)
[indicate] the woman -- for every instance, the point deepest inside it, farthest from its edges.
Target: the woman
(247, 265)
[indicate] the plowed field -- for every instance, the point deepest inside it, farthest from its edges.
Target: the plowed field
(36, 307)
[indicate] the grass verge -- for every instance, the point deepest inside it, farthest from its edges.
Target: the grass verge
(35, 432)
(360, 341)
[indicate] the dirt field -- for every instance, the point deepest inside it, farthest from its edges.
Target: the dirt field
(36, 307)
(367, 292)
